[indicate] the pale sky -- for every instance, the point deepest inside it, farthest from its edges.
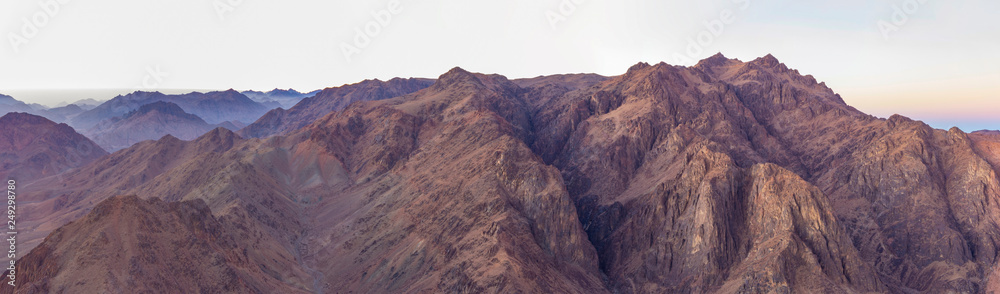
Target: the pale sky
(940, 64)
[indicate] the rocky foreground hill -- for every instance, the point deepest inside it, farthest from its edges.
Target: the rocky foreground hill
(725, 177)
(33, 147)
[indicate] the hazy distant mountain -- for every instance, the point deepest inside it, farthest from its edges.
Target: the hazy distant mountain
(280, 121)
(33, 147)
(149, 122)
(86, 104)
(285, 98)
(723, 177)
(8, 105)
(213, 107)
(67, 112)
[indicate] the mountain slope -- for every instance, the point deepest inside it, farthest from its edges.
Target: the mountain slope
(55, 201)
(281, 121)
(33, 147)
(724, 177)
(987, 145)
(618, 142)
(149, 122)
(131, 245)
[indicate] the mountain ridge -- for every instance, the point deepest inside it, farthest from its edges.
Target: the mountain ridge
(148, 122)
(727, 176)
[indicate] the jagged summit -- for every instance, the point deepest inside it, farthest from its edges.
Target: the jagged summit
(457, 75)
(638, 66)
(716, 61)
(217, 140)
(769, 61)
(724, 177)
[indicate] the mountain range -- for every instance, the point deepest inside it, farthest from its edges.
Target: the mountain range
(59, 114)
(149, 122)
(723, 177)
(283, 98)
(280, 121)
(213, 107)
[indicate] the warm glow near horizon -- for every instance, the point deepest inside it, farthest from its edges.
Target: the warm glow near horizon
(935, 61)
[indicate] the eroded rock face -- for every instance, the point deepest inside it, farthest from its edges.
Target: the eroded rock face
(451, 199)
(987, 145)
(725, 177)
(623, 140)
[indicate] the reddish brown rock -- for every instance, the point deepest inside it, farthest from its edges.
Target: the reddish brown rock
(987, 145)
(129, 245)
(281, 121)
(32, 147)
(727, 177)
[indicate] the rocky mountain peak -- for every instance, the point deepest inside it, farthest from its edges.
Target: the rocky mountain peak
(456, 76)
(744, 178)
(715, 60)
(767, 61)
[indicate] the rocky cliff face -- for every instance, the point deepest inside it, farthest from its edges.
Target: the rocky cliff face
(987, 145)
(724, 177)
